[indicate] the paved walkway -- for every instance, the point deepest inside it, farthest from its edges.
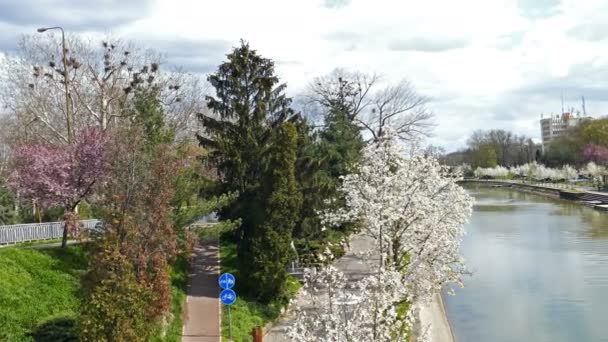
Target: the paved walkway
(202, 316)
(351, 264)
(433, 315)
(355, 269)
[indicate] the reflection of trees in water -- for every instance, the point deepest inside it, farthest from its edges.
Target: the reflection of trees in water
(496, 207)
(489, 199)
(481, 192)
(596, 222)
(571, 209)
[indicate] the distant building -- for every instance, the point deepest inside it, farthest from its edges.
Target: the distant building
(557, 126)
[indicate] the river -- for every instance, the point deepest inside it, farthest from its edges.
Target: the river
(539, 271)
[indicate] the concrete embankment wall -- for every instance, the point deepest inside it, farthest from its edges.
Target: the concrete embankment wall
(521, 186)
(541, 190)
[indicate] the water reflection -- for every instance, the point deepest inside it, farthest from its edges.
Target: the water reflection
(540, 271)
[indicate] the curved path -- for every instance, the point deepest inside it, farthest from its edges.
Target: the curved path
(433, 314)
(202, 316)
(355, 269)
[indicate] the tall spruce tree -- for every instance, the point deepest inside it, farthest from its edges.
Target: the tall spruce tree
(249, 103)
(328, 154)
(265, 250)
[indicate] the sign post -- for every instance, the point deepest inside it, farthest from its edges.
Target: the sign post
(227, 296)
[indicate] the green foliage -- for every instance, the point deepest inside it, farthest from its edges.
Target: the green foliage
(127, 290)
(7, 206)
(402, 309)
(57, 329)
(114, 303)
(247, 312)
(187, 203)
(264, 251)
(340, 143)
(248, 105)
(179, 288)
(213, 232)
(309, 248)
(322, 159)
(485, 156)
(563, 151)
(40, 287)
(595, 132)
(149, 114)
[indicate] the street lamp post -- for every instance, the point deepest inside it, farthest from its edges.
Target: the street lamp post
(66, 79)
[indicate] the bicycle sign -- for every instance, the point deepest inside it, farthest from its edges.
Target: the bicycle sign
(226, 281)
(228, 297)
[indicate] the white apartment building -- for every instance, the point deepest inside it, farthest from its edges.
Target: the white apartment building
(556, 126)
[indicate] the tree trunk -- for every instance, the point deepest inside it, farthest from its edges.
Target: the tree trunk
(70, 219)
(64, 239)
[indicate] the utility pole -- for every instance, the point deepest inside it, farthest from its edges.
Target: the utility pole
(66, 79)
(584, 109)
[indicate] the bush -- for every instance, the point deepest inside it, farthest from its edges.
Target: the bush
(114, 303)
(58, 329)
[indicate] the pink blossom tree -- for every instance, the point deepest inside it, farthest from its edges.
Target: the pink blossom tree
(596, 153)
(61, 175)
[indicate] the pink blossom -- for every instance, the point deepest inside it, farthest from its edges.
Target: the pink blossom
(596, 153)
(55, 174)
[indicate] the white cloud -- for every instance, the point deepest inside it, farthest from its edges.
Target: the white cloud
(486, 64)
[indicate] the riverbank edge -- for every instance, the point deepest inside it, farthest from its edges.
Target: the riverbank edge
(434, 315)
(563, 194)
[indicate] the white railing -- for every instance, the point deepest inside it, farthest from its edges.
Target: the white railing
(37, 231)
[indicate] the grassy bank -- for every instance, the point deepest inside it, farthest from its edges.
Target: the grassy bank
(39, 294)
(247, 313)
(38, 287)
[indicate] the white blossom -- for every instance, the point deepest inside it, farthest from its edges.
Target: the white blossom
(594, 171)
(343, 311)
(414, 211)
(533, 171)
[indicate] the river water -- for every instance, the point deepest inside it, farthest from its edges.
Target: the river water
(540, 271)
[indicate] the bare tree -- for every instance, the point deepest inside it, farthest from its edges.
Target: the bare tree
(351, 91)
(398, 106)
(102, 77)
(434, 151)
(509, 148)
(402, 109)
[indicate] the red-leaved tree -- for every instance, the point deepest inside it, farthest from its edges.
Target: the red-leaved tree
(128, 286)
(61, 175)
(596, 153)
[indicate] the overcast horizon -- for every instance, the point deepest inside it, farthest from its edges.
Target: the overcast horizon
(485, 64)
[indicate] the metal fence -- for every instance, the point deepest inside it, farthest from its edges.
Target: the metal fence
(37, 231)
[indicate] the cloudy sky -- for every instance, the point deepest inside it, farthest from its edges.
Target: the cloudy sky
(485, 63)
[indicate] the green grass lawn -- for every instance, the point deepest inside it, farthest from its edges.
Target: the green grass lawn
(39, 294)
(37, 286)
(246, 312)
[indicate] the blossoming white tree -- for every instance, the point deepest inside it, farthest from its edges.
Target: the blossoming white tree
(361, 311)
(532, 171)
(594, 171)
(414, 212)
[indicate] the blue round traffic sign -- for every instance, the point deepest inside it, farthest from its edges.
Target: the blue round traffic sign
(226, 281)
(228, 297)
